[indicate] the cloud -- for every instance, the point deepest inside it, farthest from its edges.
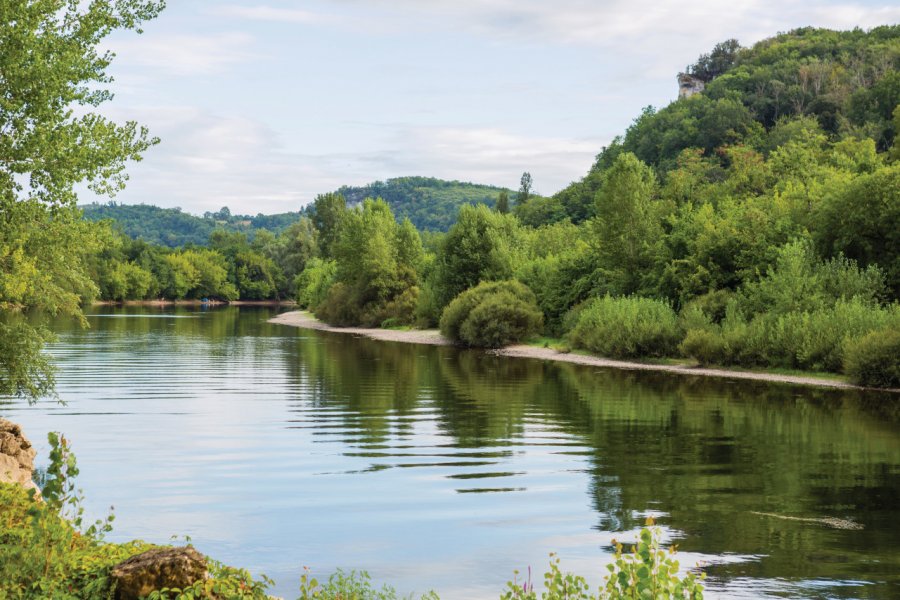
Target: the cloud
(489, 155)
(652, 23)
(269, 13)
(209, 160)
(184, 54)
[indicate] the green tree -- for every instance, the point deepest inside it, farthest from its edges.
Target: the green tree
(481, 246)
(53, 75)
(503, 202)
(328, 211)
(377, 260)
(627, 225)
(524, 188)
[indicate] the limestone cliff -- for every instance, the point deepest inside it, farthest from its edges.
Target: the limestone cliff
(16, 456)
(688, 85)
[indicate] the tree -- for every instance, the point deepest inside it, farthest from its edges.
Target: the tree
(627, 223)
(480, 246)
(50, 141)
(377, 260)
(328, 211)
(503, 202)
(524, 188)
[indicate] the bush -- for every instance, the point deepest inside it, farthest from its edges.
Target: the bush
(648, 571)
(626, 327)
(491, 315)
(313, 283)
(707, 347)
(803, 340)
(872, 360)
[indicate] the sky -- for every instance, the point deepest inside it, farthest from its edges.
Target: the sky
(260, 106)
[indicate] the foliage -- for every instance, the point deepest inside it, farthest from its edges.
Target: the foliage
(377, 261)
(53, 77)
(862, 221)
(492, 315)
(48, 551)
(797, 339)
(625, 327)
(349, 585)
(648, 571)
(627, 225)
(313, 283)
(872, 360)
(430, 204)
(223, 582)
(173, 228)
(481, 246)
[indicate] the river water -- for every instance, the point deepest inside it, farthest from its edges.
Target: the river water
(275, 448)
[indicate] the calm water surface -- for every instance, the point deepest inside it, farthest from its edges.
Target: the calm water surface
(433, 468)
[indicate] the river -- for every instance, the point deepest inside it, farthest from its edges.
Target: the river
(275, 448)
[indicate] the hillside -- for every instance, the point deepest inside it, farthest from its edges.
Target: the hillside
(173, 228)
(841, 84)
(431, 204)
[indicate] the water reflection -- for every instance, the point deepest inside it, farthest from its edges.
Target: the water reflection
(274, 447)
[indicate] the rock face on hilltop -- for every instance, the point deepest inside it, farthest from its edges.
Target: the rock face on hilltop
(688, 85)
(16, 456)
(156, 569)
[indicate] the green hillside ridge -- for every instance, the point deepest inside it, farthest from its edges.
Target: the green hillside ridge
(842, 84)
(173, 227)
(431, 204)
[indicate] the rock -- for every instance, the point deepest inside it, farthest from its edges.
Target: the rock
(688, 85)
(16, 456)
(156, 569)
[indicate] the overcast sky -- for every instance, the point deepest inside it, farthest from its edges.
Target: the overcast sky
(261, 106)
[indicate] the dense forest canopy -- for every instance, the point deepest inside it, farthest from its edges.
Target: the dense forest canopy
(431, 204)
(173, 228)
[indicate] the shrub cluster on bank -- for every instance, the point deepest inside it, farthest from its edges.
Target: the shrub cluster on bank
(492, 315)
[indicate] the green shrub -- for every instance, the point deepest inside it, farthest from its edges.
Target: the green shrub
(312, 284)
(349, 585)
(491, 315)
(706, 346)
(874, 359)
(339, 307)
(626, 327)
(812, 340)
(648, 571)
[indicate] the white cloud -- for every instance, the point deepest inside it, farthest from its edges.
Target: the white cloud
(612, 22)
(270, 13)
(491, 156)
(184, 54)
(207, 161)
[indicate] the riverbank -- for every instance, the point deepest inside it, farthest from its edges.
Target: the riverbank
(433, 337)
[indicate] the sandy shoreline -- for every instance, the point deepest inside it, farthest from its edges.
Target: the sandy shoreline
(433, 337)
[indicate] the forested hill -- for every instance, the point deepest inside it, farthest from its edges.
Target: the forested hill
(431, 204)
(807, 82)
(173, 228)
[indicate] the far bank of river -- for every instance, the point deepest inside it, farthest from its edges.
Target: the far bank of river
(433, 337)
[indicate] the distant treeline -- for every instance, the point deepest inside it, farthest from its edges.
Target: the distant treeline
(756, 224)
(431, 204)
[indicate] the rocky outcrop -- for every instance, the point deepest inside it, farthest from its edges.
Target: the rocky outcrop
(16, 456)
(156, 569)
(688, 85)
